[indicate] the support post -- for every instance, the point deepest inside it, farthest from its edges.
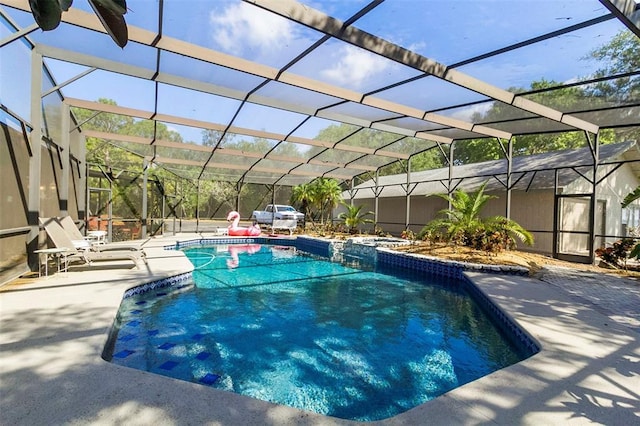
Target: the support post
(83, 181)
(594, 199)
(351, 185)
(375, 200)
(35, 161)
(509, 175)
(556, 215)
(198, 205)
(407, 217)
(66, 166)
(450, 175)
(145, 180)
(238, 190)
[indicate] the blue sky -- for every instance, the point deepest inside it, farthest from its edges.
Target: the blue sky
(447, 31)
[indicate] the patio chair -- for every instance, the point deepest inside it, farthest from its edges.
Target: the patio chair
(83, 242)
(79, 240)
(60, 239)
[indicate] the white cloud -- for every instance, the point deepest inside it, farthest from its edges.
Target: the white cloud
(355, 66)
(242, 26)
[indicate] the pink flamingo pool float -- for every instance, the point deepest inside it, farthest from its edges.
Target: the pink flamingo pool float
(236, 230)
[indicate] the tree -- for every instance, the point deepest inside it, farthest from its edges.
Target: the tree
(425, 159)
(303, 195)
(619, 56)
(353, 217)
(319, 195)
(462, 224)
(327, 194)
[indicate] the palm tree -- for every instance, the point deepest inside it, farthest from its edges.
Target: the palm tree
(631, 197)
(327, 195)
(303, 195)
(463, 224)
(353, 217)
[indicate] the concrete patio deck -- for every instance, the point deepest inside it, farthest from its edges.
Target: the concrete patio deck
(52, 332)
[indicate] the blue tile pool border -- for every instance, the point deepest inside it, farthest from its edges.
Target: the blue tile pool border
(447, 268)
(175, 282)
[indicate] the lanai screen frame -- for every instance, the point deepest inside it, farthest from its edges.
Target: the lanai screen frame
(442, 129)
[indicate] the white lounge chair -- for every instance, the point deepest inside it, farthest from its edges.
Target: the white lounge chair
(81, 242)
(60, 239)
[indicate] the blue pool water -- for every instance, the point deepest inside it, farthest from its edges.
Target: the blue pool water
(284, 326)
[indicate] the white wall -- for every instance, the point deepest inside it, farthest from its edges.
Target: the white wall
(612, 191)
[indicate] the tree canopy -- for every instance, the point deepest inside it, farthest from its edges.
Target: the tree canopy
(618, 57)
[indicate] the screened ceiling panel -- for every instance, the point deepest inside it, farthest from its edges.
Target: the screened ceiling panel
(363, 112)
(458, 133)
(312, 170)
(312, 127)
(412, 124)
(521, 67)
(430, 93)
(237, 28)
(611, 118)
(188, 134)
(247, 145)
(599, 95)
(279, 164)
(198, 70)
(141, 13)
(532, 125)
(289, 150)
(302, 98)
(290, 180)
(372, 161)
(337, 157)
(103, 84)
(258, 88)
(219, 157)
(410, 146)
(262, 118)
(343, 65)
(72, 38)
(264, 178)
(487, 112)
(222, 175)
(184, 154)
(196, 105)
(369, 138)
(431, 28)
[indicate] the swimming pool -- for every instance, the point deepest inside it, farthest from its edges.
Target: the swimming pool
(282, 325)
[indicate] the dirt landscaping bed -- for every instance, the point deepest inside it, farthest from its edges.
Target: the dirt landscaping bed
(535, 262)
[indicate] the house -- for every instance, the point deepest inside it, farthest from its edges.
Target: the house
(543, 187)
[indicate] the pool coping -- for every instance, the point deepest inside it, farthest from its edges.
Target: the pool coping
(53, 332)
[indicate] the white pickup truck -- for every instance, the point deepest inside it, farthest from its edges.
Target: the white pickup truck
(281, 212)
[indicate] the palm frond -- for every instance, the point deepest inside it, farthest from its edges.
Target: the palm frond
(631, 197)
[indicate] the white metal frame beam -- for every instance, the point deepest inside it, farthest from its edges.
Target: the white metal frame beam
(327, 25)
(90, 21)
(627, 11)
(148, 115)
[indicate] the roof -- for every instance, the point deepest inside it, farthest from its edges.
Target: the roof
(267, 76)
(528, 172)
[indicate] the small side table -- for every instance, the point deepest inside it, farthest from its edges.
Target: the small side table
(98, 237)
(50, 253)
